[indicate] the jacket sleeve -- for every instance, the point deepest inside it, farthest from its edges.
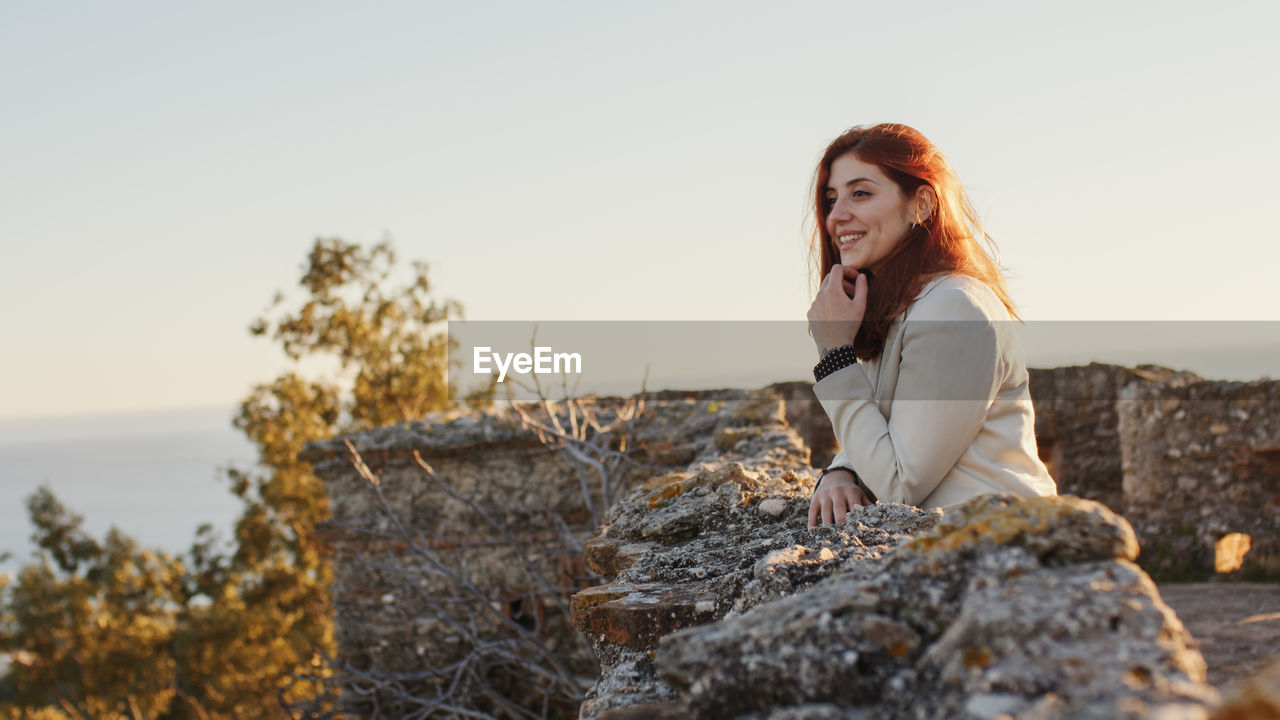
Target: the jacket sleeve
(948, 376)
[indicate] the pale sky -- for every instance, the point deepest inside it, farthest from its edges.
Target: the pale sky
(165, 166)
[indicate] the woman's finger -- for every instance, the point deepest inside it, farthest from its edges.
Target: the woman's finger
(850, 286)
(828, 512)
(860, 294)
(813, 511)
(837, 284)
(833, 277)
(853, 496)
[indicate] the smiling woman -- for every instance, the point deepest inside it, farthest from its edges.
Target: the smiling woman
(868, 215)
(920, 368)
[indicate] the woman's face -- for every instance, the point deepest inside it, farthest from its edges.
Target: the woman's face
(867, 213)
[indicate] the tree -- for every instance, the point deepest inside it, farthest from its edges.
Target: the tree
(106, 629)
(89, 625)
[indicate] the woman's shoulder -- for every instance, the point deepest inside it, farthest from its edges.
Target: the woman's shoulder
(957, 297)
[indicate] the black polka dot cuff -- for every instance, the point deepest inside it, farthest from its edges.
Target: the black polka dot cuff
(841, 357)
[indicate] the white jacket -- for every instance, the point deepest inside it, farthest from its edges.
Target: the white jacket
(944, 414)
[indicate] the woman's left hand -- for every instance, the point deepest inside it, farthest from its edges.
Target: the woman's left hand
(834, 317)
(836, 495)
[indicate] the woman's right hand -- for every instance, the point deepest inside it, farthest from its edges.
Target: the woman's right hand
(837, 494)
(837, 310)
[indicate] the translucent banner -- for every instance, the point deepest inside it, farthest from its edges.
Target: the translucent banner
(619, 358)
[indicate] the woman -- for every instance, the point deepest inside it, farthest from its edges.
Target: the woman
(920, 369)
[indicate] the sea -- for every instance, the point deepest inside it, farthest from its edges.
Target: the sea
(156, 476)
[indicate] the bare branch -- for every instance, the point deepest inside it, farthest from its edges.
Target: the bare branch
(497, 662)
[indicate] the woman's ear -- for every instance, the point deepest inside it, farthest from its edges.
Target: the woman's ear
(926, 202)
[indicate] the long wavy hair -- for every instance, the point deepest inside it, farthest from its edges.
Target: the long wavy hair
(950, 240)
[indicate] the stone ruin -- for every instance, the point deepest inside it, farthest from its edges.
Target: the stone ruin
(1193, 464)
(469, 536)
(1202, 477)
(1028, 609)
(706, 595)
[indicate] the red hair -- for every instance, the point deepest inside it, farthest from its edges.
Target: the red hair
(945, 242)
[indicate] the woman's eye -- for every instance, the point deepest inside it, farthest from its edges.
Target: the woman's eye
(828, 201)
(861, 193)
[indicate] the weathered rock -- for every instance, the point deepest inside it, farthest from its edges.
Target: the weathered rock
(739, 557)
(1057, 530)
(636, 615)
(629, 686)
(750, 544)
(993, 611)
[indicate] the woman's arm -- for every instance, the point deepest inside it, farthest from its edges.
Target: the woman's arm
(949, 373)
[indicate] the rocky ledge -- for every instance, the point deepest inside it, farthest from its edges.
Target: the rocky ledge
(724, 605)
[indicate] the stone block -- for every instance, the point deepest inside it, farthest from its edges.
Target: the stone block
(1202, 477)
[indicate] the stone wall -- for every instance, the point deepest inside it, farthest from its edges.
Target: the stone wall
(1202, 476)
(1077, 429)
(725, 605)
(397, 610)
(472, 558)
(1192, 463)
(1146, 442)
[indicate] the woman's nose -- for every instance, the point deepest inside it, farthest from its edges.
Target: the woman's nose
(839, 212)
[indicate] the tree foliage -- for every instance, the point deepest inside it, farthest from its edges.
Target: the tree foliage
(108, 629)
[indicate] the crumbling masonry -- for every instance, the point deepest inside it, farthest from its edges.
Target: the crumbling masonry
(1192, 464)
